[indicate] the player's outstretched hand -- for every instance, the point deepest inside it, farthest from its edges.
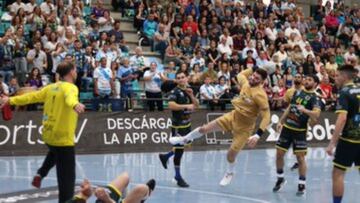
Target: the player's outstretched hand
(79, 108)
(330, 149)
(252, 141)
(3, 101)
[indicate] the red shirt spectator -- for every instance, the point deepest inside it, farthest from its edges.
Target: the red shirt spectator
(331, 20)
(190, 23)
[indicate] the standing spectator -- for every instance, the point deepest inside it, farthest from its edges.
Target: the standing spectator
(103, 85)
(6, 55)
(37, 58)
(126, 75)
(137, 62)
(332, 23)
(153, 80)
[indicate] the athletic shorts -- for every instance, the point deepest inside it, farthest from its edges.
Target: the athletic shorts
(180, 131)
(239, 126)
(347, 154)
(114, 194)
(295, 138)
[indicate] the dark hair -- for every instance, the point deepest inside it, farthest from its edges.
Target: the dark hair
(350, 70)
(64, 68)
(179, 72)
(262, 73)
(314, 77)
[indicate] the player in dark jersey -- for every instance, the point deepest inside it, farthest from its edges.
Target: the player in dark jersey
(182, 103)
(293, 125)
(346, 136)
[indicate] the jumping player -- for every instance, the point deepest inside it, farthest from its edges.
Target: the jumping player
(241, 121)
(182, 103)
(346, 136)
(61, 109)
(293, 125)
(113, 192)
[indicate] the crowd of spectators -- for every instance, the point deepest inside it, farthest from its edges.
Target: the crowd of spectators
(210, 40)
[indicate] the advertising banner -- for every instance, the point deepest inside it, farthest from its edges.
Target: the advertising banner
(138, 131)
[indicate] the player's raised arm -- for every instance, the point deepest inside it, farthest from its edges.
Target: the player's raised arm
(29, 98)
(243, 76)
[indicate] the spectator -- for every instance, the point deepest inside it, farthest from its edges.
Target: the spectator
(153, 80)
(309, 67)
(288, 79)
(222, 92)
(292, 29)
(249, 61)
(34, 79)
(97, 11)
(14, 7)
(103, 85)
(187, 50)
(223, 47)
(331, 23)
(37, 58)
(105, 22)
(7, 66)
(13, 86)
(198, 59)
(161, 39)
(173, 52)
(225, 72)
(150, 28)
(308, 50)
(4, 89)
(119, 36)
(126, 75)
(47, 8)
(191, 24)
(195, 78)
(331, 66)
(327, 90)
(350, 55)
(210, 73)
(207, 94)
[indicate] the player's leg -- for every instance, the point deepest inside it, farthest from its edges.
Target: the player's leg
(178, 153)
(165, 157)
(65, 172)
(300, 149)
(140, 193)
(282, 146)
(46, 166)
(338, 184)
(113, 192)
(240, 138)
(220, 124)
(302, 172)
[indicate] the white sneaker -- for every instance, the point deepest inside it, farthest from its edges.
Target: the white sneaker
(226, 179)
(177, 140)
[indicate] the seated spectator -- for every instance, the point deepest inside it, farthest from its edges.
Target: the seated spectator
(318, 63)
(198, 59)
(7, 66)
(223, 47)
(224, 71)
(137, 62)
(331, 65)
(316, 45)
(308, 65)
(210, 73)
(203, 40)
(126, 75)
(207, 94)
(105, 22)
(103, 85)
(173, 52)
(308, 50)
(187, 50)
(34, 79)
(350, 55)
(278, 91)
(119, 36)
(327, 92)
(149, 28)
(288, 79)
(212, 53)
(14, 7)
(191, 24)
(249, 46)
(97, 11)
(292, 29)
(4, 89)
(195, 78)
(47, 8)
(222, 93)
(249, 61)
(153, 81)
(13, 86)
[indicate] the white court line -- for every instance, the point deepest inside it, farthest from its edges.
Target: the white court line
(159, 186)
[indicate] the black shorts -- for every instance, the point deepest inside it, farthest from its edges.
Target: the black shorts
(178, 131)
(114, 194)
(347, 154)
(295, 138)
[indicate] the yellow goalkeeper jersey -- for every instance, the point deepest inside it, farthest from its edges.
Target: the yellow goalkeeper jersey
(59, 118)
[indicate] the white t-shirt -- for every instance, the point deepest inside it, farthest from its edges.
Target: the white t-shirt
(271, 33)
(153, 85)
(207, 90)
(38, 61)
(289, 31)
(103, 76)
(224, 49)
(29, 7)
(137, 62)
(47, 8)
(15, 7)
(5, 87)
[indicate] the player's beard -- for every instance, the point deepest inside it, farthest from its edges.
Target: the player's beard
(309, 87)
(297, 82)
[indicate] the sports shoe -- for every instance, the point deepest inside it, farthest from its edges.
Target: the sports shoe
(151, 184)
(301, 190)
(36, 182)
(164, 160)
(109, 108)
(101, 107)
(295, 166)
(279, 184)
(177, 140)
(181, 182)
(226, 179)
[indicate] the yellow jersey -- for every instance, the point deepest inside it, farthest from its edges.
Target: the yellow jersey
(290, 93)
(59, 118)
(252, 101)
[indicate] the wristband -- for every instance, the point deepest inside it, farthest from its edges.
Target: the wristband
(259, 132)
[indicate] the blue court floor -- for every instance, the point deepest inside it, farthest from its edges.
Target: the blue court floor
(255, 176)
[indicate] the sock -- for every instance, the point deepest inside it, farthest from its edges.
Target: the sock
(231, 167)
(337, 199)
(169, 154)
(195, 134)
(302, 180)
(280, 173)
(177, 172)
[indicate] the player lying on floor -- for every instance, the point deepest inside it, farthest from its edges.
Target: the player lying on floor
(113, 192)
